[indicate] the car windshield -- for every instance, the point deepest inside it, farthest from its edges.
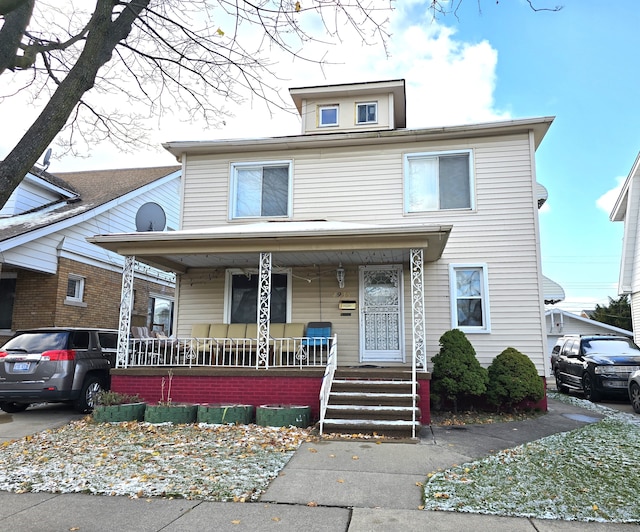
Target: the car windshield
(610, 347)
(37, 342)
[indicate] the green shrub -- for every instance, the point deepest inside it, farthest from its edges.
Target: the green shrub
(457, 374)
(513, 378)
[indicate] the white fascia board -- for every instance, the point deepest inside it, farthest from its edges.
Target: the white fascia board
(84, 215)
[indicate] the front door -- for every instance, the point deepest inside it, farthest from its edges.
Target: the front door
(381, 321)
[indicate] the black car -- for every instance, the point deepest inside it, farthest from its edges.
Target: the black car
(56, 365)
(594, 365)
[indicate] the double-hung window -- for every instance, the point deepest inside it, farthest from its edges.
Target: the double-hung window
(367, 113)
(260, 190)
(327, 115)
(438, 181)
(469, 297)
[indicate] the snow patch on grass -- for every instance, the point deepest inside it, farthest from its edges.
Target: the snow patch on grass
(588, 474)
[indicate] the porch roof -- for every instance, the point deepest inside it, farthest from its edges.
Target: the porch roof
(292, 243)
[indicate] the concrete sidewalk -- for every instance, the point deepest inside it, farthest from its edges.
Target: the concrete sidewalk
(330, 485)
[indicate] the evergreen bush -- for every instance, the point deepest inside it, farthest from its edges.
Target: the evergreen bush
(513, 378)
(457, 374)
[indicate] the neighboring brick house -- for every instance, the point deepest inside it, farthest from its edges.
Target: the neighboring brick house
(389, 236)
(51, 276)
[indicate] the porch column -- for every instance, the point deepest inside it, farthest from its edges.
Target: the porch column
(417, 308)
(264, 309)
(126, 303)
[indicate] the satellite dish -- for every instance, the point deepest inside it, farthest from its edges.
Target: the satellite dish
(47, 159)
(150, 217)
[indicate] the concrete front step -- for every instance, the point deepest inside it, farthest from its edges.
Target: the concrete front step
(371, 398)
(369, 426)
(373, 412)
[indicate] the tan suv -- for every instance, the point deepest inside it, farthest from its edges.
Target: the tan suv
(56, 365)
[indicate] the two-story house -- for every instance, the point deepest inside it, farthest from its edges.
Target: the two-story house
(374, 237)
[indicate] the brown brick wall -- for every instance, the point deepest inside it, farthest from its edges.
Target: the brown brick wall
(40, 298)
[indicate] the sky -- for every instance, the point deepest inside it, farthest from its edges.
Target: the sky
(494, 61)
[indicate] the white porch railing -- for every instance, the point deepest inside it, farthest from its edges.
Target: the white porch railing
(327, 380)
(301, 352)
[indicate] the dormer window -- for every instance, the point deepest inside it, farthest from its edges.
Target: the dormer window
(327, 115)
(367, 113)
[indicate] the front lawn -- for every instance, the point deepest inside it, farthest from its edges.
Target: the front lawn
(589, 474)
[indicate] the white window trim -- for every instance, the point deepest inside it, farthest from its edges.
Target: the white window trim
(417, 155)
(358, 104)
(234, 188)
(332, 124)
(486, 313)
(229, 272)
(78, 299)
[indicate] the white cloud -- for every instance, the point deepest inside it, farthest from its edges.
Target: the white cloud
(448, 82)
(608, 199)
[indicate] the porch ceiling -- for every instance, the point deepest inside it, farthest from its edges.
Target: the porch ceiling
(291, 244)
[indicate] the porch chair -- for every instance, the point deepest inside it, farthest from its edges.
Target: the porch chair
(236, 334)
(315, 344)
(293, 333)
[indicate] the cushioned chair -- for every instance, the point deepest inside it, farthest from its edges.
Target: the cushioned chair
(290, 343)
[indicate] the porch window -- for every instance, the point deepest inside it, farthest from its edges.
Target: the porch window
(438, 181)
(260, 190)
(469, 297)
(367, 113)
(328, 115)
(243, 297)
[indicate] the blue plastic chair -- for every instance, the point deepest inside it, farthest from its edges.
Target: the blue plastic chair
(316, 339)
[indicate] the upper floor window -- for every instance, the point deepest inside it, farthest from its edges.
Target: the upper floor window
(328, 115)
(469, 297)
(435, 181)
(75, 288)
(260, 190)
(367, 113)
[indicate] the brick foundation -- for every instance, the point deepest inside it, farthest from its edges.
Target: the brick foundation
(242, 387)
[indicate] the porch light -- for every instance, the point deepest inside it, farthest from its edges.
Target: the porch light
(340, 275)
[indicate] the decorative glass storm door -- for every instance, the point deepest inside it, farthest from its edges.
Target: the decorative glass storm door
(381, 322)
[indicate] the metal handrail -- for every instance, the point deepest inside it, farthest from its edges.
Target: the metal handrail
(327, 380)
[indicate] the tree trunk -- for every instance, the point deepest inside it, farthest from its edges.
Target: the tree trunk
(102, 38)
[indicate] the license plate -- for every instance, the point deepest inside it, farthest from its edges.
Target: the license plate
(21, 366)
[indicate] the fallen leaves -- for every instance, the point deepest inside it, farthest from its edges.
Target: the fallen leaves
(139, 460)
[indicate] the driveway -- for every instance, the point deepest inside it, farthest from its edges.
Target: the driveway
(35, 419)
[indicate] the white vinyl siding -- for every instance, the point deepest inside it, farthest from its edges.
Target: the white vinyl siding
(365, 184)
(41, 253)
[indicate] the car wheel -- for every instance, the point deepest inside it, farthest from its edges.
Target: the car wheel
(90, 389)
(588, 388)
(559, 385)
(634, 393)
(13, 408)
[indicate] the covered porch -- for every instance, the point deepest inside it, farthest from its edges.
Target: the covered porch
(220, 343)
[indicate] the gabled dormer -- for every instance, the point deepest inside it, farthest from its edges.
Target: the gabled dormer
(367, 106)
